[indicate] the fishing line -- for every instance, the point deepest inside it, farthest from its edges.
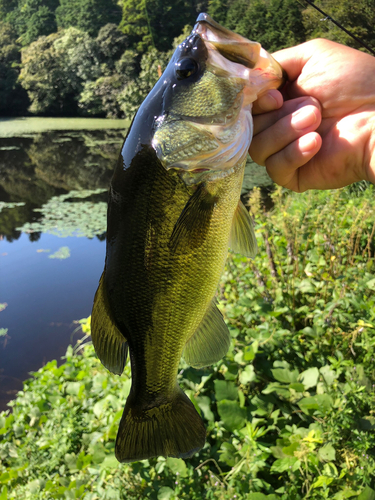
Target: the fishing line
(361, 42)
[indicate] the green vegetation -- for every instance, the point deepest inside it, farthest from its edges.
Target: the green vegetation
(289, 411)
(63, 217)
(18, 127)
(99, 57)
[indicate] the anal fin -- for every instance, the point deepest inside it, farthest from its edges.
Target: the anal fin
(210, 341)
(242, 236)
(110, 344)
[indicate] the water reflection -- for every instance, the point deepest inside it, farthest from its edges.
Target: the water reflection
(35, 168)
(53, 188)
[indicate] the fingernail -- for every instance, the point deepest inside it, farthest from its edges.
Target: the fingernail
(303, 118)
(307, 142)
(269, 102)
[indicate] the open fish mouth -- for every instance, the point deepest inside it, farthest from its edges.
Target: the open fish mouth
(230, 53)
(214, 77)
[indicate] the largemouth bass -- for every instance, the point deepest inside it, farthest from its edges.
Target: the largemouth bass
(174, 209)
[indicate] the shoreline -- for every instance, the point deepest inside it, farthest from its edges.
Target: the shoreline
(19, 126)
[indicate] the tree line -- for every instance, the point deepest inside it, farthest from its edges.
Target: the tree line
(101, 57)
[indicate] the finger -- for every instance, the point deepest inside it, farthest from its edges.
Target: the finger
(268, 102)
(293, 59)
(266, 120)
(283, 167)
(284, 132)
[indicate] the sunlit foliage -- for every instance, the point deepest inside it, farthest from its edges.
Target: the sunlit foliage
(358, 18)
(289, 409)
(87, 15)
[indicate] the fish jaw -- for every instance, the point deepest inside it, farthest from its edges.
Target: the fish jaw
(189, 137)
(234, 55)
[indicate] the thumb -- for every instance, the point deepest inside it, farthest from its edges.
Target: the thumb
(269, 101)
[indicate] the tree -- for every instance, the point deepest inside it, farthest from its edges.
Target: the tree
(131, 97)
(155, 23)
(13, 99)
(33, 18)
(111, 44)
(87, 15)
(102, 97)
(275, 24)
(54, 69)
(217, 9)
(358, 18)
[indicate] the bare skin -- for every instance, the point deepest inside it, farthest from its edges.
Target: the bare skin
(323, 135)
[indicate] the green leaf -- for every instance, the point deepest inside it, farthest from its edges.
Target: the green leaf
(285, 464)
(309, 377)
(5, 477)
(281, 390)
(177, 466)
(204, 403)
(247, 375)
(232, 415)
(367, 494)
(283, 373)
(320, 402)
(165, 493)
(228, 454)
(289, 450)
(250, 351)
(110, 462)
(346, 493)
(34, 486)
(306, 287)
(371, 285)
(73, 388)
(328, 374)
(297, 387)
(225, 390)
(327, 453)
(4, 493)
(322, 481)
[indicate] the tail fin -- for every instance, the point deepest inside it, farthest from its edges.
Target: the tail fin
(172, 429)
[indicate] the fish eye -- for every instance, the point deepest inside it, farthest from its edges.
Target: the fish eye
(186, 67)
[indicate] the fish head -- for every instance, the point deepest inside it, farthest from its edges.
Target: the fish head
(205, 123)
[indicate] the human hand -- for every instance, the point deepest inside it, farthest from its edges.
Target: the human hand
(323, 135)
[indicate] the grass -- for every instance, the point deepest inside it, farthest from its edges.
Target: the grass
(290, 411)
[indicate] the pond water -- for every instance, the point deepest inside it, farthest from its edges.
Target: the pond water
(53, 187)
(54, 176)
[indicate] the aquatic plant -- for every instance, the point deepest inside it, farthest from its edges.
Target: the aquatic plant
(71, 218)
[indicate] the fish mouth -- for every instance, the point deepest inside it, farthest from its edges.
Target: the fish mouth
(210, 135)
(233, 54)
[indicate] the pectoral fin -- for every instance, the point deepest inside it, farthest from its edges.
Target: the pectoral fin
(210, 342)
(192, 225)
(242, 236)
(110, 344)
